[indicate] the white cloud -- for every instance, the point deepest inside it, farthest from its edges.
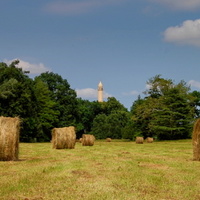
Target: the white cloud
(32, 67)
(131, 93)
(148, 86)
(90, 93)
(188, 33)
(194, 83)
(180, 4)
(86, 93)
(78, 7)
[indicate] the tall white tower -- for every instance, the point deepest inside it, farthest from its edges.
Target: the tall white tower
(100, 92)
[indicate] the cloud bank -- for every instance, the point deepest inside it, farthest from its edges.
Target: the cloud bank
(180, 4)
(26, 66)
(90, 93)
(86, 93)
(78, 7)
(187, 33)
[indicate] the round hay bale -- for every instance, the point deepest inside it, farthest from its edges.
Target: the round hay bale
(64, 138)
(88, 140)
(196, 140)
(139, 140)
(80, 140)
(108, 139)
(149, 140)
(9, 138)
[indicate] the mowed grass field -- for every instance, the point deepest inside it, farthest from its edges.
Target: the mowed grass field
(106, 171)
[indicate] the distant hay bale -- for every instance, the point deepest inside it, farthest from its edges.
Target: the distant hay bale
(64, 138)
(108, 139)
(139, 140)
(196, 140)
(88, 140)
(9, 138)
(149, 140)
(80, 140)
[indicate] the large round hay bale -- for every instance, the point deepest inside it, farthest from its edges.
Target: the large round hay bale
(64, 138)
(88, 140)
(139, 140)
(108, 139)
(149, 140)
(9, 138)
(196, 140)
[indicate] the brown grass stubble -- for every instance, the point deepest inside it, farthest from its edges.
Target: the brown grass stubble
(124, 171)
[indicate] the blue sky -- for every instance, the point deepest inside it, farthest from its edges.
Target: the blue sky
(122, 43)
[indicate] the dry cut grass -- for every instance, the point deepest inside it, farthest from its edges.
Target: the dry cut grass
(105, 171)
(9, 138)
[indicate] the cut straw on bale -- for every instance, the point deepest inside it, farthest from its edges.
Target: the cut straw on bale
(64, 138)
(9, 138)
(149, 140)
(108, 139)
(196, 140)
(88, 140)
(139, 140)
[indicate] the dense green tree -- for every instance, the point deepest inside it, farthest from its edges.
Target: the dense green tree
(130, 131)
(111, 105)
(17, 97)
(166, 113)
(47, 116)
(172, 120)
(158, 86)
(196, 102)
(7, 88)
(116, 121)
(87, 111)
(136, 103)
(110, 125)
(64, 96)
(142, 116)
(112, 118)
(100, 128)
(139, 119)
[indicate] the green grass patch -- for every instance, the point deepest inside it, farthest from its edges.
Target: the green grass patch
(114, 170)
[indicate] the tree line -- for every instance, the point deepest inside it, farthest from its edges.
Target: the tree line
(167, 111)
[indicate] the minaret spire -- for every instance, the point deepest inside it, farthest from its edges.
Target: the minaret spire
(100, 92)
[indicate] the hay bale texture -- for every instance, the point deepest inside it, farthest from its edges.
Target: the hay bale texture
(149, 140)
(139, 140)
(196, 140)
(88, 140)
(64, 138)
(108, 139)
(9, 138)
